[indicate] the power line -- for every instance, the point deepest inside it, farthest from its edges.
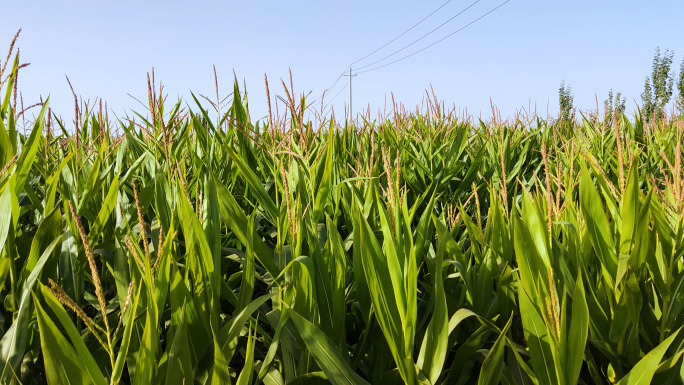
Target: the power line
(403, 33)
(422, 37)
(336, 80)
(438, 41)
(335, 97)
(403, 48)
(350, 90)
(332, 86)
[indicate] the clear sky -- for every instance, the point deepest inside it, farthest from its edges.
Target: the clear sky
(516, 56)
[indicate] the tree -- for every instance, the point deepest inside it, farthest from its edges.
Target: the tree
(565, 101)
(614, 104)
(647, 100)
(658, 89)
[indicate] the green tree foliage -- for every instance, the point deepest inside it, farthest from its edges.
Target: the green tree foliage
(615, 104)
(647, 104)
(565, 102)
(658, 88)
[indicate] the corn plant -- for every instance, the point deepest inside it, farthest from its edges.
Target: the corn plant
(188, 244)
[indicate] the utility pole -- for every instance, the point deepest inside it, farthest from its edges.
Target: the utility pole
(350, 92)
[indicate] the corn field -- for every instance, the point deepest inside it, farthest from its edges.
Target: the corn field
(182, 247)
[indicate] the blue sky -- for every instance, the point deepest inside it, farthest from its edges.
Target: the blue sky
(516, 56)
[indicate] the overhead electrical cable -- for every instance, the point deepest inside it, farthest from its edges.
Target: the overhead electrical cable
(403, 33)
(348, 84)
(422, 37)
(438, 41)
(332, 86)
(336, 95)
(335, 82)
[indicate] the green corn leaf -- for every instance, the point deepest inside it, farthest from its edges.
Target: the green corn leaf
(463, 361)
(247, 374)
(200, 260)
(339, 282)
(597, 223)
(8, 92)
(238, 223)
(231, 330)
(52, 184)
(146, 357)
(434, 348)
(322, 193)
(247, 286)
(629, 210)
(325, 353)
(85, 357)
(493, 365)
(126, 338)
(179, 369)
(382, 295)
(539, 341)
(212, 227)
(14, 341)
(271, 210)
(103, 215)
(577, 336)
(643, 371)
(91, 185)
(272, 349)
(48, 230)
(30, 148)
(62, 364)
(5, 217)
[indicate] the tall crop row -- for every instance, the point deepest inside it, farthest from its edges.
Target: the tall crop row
(417, 249)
